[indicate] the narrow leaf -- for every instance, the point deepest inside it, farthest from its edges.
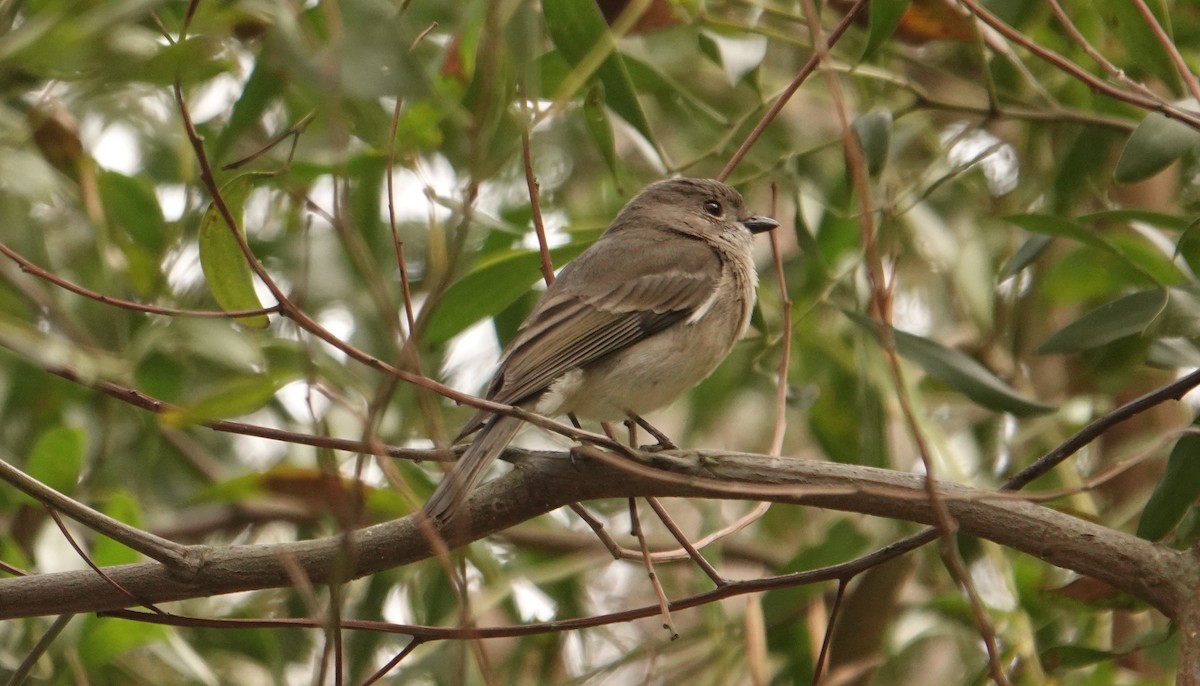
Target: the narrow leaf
(1125, 316)
(957, 371)
(1177, 491)
(1027, 254)
(229, 277)
(489, 288)
(233, 398)
(882, 19)
(57, 458)
(595, 119)
(874, 132)
(130, 204)
(1154, 145)
(576, 29)
(1152, 269)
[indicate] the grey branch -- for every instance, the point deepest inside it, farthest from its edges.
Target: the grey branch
(540, 482)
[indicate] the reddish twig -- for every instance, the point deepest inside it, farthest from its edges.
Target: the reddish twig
(788, 92)
(87, 559)
(535, 205)
(1181, 66)
(401, 263)
(664, 604)
(34, 270)
(881, 292)
(1063, 64)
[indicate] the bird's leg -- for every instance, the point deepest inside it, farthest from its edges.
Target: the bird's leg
(631, 427)
(575, 423)
(664, 442)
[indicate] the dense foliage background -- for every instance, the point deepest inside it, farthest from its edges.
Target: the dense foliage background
(1006, 178)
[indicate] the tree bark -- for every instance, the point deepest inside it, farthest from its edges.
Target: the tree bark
(541, 482)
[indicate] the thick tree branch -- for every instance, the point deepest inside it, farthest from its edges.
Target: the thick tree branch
(544, 481)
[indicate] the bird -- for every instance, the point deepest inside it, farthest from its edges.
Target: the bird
(643, 314)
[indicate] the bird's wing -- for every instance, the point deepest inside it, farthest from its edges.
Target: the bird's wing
(602, 303)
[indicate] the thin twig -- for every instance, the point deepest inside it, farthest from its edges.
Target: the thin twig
(687, 545)
(785, 352)
(34, 270)
(161, 550)
(1181, 66)
(827, 641)
(391, 664)
(31, 658)
(664, 604)
(1154, 104)
(531, 183)
(87, 559)
(881, 296)
(401, 263)
(788, 92)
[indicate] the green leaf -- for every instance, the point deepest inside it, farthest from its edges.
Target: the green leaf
(161, 375)
(1156, 143)
(957, 371)
(264, 85)
(874, 132)
(577, 28)
(1173, 222)
(647, 79)
(1126, 316)
(123, 507)
(130, 204)
(1173, 353)
(1152, 264)
(1027, 254)
(229, 277)
(489, 288)
(1176, 491)
(737, 52)
(1066, 657)
(883, 16)
(57, 458)
(595, 118)
(1143, 49)
(103, 639)
(233, 398)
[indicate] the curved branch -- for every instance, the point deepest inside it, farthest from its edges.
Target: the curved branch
(544, 481)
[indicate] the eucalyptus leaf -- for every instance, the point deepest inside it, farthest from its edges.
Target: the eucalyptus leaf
(226, 271)
(957, 371)
(577, 28)
(1156, 143)
(236, 396)
(1027, 254)
(1126, 316)
(874, 132)
(130, 204)
(489, 288)
(57, 458)
(883, 16)
(1178, 489)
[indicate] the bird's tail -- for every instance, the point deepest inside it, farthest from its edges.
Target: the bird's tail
(487, 446)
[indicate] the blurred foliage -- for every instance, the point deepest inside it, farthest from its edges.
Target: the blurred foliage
(1040, 239)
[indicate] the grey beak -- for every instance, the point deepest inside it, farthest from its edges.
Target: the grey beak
(759, 224)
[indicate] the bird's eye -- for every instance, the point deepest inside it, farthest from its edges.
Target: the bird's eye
(713, 208)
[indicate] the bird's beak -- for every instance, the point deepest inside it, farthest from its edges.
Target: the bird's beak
(759, 224)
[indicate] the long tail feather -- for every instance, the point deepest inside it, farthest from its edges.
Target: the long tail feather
(487, 446)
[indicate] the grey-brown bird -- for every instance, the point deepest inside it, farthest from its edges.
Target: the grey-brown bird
(645, 313)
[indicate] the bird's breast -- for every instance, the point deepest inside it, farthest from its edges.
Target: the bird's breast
(655, 371)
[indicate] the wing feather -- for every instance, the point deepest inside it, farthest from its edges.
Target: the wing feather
(602, 303)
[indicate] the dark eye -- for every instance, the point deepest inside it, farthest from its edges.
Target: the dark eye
(713, 208)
